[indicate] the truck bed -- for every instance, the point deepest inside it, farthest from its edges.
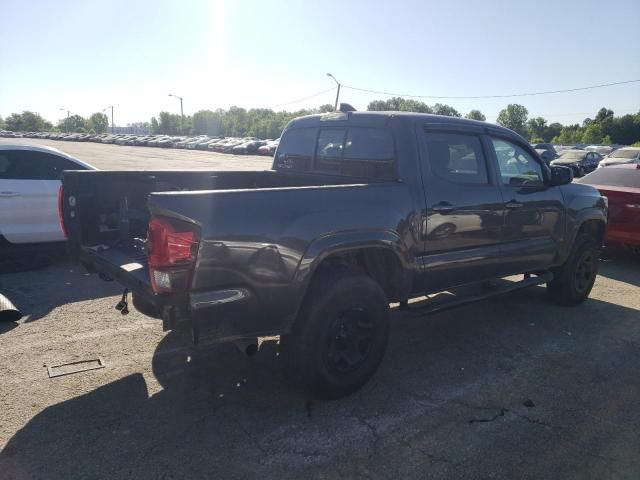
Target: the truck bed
(113, 205)
(106, 215)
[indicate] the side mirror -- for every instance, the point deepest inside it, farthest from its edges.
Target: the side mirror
(561, 175)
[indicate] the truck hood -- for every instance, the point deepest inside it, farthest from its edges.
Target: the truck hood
(579, 189)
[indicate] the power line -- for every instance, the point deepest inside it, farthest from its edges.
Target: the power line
(528, 94)
(303, 99)
(616, 111)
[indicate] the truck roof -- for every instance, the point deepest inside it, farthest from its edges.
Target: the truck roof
(383, 118)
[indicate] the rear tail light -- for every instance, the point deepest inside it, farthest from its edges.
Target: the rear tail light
(60, 212)
(172, 247)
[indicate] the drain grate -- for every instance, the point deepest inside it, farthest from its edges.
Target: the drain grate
(61, 369)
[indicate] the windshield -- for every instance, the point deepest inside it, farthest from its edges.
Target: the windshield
(571, 155)
(626, 154)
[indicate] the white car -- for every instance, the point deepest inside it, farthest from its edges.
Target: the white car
(621, 157)
(29, 189)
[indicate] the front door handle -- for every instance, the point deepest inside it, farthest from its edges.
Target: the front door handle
(513, 205)
(9, 194)
(443, 207)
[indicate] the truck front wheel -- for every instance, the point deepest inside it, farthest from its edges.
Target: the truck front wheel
(574, 280)
(340, 337)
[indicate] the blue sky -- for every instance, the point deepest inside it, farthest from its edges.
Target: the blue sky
(84, 56)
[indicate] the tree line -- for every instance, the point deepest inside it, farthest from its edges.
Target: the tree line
(32, 122)
(605, 127)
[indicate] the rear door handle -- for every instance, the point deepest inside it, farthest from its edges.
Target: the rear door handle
(513, 204)
(9, 194)
(443, 207)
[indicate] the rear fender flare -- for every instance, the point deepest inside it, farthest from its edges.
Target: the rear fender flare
(340, 242)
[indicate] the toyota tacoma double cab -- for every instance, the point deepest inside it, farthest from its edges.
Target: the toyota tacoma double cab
(359, 210)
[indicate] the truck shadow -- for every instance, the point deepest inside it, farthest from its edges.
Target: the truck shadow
(36, 292)
(225, 415)
(620, 264)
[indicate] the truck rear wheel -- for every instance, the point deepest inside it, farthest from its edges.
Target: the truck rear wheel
(574, 280)
(339, 338)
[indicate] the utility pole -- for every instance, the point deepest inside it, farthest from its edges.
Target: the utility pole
(181, 112)
(335, 107)
(68, 115)
(111, 107)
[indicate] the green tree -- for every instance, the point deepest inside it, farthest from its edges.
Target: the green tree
(74, 123)
(440, 109)
(476, 115)
(514, 117)
(168, 123)
(326, 108)
(98, 122)
(593, 133)
(416, 106)
(25, 122)
(623, 130)
(537, 127)
(399, 104)
(14, 122)
(603, 114)
(207, 122)
(1, 122)
(154, 125)
(568, 135)
(553, 130)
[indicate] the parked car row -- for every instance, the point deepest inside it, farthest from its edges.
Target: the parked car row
(583, 159)
(233, 145)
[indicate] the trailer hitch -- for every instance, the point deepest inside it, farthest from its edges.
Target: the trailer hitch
(123, 305)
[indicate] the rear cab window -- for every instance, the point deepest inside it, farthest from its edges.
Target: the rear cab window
(347, 151)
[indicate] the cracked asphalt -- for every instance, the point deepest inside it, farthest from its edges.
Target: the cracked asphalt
(508, 388)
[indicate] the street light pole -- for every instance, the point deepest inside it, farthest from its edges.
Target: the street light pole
(68, 114)
(335, 107)
(111, 107)
(181, 112)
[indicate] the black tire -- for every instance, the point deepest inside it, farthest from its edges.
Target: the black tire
(339, 338)
(573, 281)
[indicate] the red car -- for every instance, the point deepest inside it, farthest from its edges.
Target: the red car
(621, 185)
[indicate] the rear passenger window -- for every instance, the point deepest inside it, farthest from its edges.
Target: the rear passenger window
(369, 144)
(456, 157)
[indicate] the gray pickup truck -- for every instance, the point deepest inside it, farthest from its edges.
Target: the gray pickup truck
(359, 210)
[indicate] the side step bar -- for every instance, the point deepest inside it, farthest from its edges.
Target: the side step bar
(458, 299)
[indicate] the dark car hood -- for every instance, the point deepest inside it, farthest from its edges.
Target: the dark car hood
(566, 161)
